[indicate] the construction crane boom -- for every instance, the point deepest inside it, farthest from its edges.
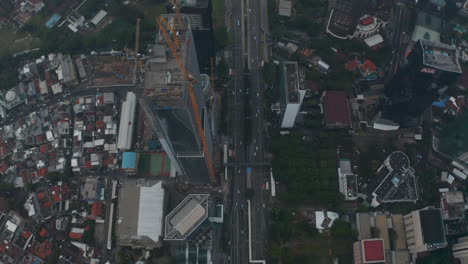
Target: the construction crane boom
(176, 4)
(173, 31)
(212, 73)
(137, 38)
(193, 99)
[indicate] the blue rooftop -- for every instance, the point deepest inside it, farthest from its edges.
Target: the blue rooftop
(129, 160)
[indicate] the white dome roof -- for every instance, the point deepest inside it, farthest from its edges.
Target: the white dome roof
(10, 96)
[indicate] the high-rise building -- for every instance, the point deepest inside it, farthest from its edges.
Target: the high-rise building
(292, 92)
(431, 67)
(424, 230)
(168, 104)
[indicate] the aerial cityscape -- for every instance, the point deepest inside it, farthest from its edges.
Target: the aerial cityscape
(233, 131)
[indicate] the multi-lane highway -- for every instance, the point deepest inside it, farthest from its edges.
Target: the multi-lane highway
(255, 148)
(245, 27)
(237, 242)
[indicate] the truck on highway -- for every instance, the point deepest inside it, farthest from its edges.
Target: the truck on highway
(238, 22)
(248, 178)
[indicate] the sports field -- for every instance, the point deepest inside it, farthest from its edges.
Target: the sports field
(154, 164)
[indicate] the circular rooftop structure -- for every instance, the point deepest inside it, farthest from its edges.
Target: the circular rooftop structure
(10, 96)
(398, 160)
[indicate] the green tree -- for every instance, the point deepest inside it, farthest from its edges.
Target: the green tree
(6, 189)
(341, 229)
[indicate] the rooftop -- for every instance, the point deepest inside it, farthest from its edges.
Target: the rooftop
(427, 27)
(336, 108)
(344, 17)
(284, 8)
(452, 205)
(292, 81)
(373, 250)
(129, 160)
(395, 181)
(432, 226)
(186, 217)
(440, 56)
(141, 212)
(164, 80)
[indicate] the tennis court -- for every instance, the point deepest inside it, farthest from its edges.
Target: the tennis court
(154, 164)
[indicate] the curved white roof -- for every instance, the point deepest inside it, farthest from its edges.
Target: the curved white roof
(150, 213)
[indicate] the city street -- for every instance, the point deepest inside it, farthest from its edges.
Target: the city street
(237, 218)
(246, 23)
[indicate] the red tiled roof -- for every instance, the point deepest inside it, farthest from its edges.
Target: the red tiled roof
(374, 250)
(3, 167)
(352, 65)
(33, 175)
(367, 21)
(336, 108)
(96, 209)
(42, 172)
(65, 192)
(39, 138)
(2, 248)
(46, 204)
(26, 234)
(100, 124)
(88, 164)
(368, 66)
(40, 196)
(55, 190)
(75, 235)
(43, 232)
(42, 250)
(43, 149)
(3, 150)
(23, 173)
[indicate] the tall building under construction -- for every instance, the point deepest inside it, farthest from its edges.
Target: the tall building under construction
(168, 99)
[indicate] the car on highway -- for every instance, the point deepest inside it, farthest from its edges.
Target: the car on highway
(238, 22)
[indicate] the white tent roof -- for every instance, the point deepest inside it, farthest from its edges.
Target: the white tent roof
(150, 213)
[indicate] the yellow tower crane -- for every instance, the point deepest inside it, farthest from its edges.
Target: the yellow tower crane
(193, 99)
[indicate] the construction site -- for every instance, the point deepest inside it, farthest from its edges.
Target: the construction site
(109, 70)
(178, 100)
